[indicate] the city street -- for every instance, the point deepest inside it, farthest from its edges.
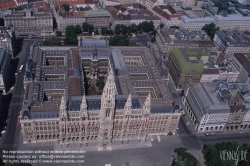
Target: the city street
(10, 138)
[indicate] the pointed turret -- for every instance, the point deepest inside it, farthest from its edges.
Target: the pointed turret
(147, 104)
(108, 98)
(83, 108)
(63, 107)
(109, 89)
(128, 105)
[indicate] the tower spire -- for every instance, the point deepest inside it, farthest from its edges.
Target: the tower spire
(128, 105)
(83, 108)
(147, 104)
(63, 107)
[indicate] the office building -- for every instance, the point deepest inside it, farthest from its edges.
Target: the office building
(185, 65)
(218, 106)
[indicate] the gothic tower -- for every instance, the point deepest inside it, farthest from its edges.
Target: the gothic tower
(147, 105)
(83, 108)
(106, 114)
(128, 105)
(63, 108)
(63, 119)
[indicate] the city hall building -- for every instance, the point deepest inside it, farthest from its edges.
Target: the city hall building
(59, 108)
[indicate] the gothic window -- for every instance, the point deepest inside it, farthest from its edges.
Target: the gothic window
(107, 112)
(106, 134)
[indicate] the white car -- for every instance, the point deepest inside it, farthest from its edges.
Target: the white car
(12, 88)
(4, 131)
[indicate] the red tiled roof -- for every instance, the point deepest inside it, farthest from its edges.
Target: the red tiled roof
(41, 4)
(74, 86)
(76, 14)
(111, 9)
(7, 4)
(164, 14)
(221, 58)
(236, 108)
(211, 71)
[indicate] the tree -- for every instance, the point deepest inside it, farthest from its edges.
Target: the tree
(69, 30)
(53, 40)
(86, 27)
(117, 29)
(58, 33)
(103, 31)
(124, 29)
(161, 25)
(81, 8)
(100, 83)
(153, 39)
(96, 32)
(78, 29)
(211, 155)
(65, 7)
(210, 29)
(71, 35)
(133, 28)
(185, 158)
(71, 39)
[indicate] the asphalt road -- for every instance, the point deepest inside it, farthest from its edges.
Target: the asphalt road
(9, 140)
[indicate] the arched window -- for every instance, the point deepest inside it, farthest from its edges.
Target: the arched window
(107, 112)
(106, 134)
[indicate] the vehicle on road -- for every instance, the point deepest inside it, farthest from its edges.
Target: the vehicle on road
(158, 138)
(4, 131)
(18, 124)
(210, 134)
(21, 68)
(12, 88)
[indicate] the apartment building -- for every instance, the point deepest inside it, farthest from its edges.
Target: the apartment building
(168, 15)
(185, 65)
(8, 38)
(98, 18)
(4, 70)
(168, 39)
(32, 21)
(228, 73)
(131, 14)
(66, 18)
(217, 106)
(231, 42)
(241, 62)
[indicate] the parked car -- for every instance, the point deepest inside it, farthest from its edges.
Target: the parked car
(210, 134)
(18, 124)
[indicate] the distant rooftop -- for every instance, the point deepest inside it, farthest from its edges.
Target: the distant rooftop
(187, 65)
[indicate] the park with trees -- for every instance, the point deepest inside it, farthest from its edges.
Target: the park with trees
(52, 40)
(184, 158)
(71, 35)
(86, 27)
(212, 154)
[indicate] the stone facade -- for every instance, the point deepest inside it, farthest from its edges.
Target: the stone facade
(4, 70)
(217, 106)
(32, 21)
(8, 38)
(55, 110)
